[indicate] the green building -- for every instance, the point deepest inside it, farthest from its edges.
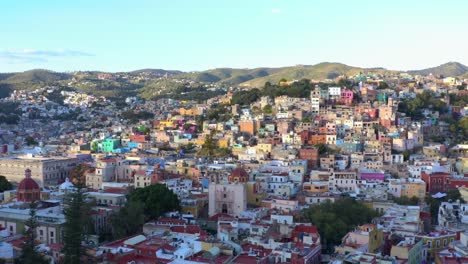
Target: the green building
(110, 144)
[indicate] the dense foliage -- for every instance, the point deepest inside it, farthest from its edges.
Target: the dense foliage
(406, 201)
(423, 100)
(129, 220)
(184, 92)
(157, 200)
(219, 112)
(334, 220)
(5, 185)
(134, 116)
(300, 89)
(9, 112)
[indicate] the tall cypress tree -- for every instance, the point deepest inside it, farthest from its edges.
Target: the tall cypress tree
(29, 255)
(76, 212)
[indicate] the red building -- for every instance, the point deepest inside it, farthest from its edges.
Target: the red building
(138, 138)
(436, 182)
(305, 135)
(457, 183)
(311, 155)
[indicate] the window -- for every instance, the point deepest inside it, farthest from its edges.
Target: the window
(437, 243)
(51, 233)
(41, 232)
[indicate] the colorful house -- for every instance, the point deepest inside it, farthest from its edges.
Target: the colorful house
(109, 144)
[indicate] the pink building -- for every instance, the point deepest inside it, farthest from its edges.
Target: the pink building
(372, 175)
(347, 97)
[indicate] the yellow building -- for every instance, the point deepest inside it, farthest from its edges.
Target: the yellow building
(436, 242)
(367, 234)
(223, 143)
(194, 205)
(188, 112)
(254, 196)
(315, 187)
(263, 148)
(220, 127)
(414, 189)
(165, 124)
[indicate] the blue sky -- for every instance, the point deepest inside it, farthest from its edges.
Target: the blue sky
(204, 34)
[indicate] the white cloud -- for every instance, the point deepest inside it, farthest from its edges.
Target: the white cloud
(276, 11)
(36, 55)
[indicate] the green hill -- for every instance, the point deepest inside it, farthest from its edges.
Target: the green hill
(156, 72)
(32, 79)
(44, 76)
(325, 70)
(448, 69)
(228, 76)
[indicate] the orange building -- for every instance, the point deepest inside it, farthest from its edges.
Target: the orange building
(249, 126)
(317, 139)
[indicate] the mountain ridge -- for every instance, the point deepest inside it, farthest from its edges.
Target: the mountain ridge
(449, 69)
(155, 81)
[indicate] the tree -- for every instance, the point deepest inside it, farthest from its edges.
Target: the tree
(256, 110)
(208, 147)
(129, 220)
(454, 195)
(29, 255)
(94, 146)
(382, 85)
(30, 141)
(406, 201)
(157, 200)
(77, 224)
(77, 174)
(5, 185)
(334, 220)
(268, 109)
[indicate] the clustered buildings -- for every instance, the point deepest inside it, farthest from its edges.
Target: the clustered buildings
(339, 142)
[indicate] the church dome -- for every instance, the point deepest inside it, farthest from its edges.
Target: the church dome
(28, 189)
(239, 172)
(239, 175)
(66, 185)
(28, 183)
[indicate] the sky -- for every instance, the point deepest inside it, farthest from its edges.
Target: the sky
(193, 35)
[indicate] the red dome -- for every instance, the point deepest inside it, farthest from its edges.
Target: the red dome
(239, 175)
(28, 184)
(239, 172)
(28, 189)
